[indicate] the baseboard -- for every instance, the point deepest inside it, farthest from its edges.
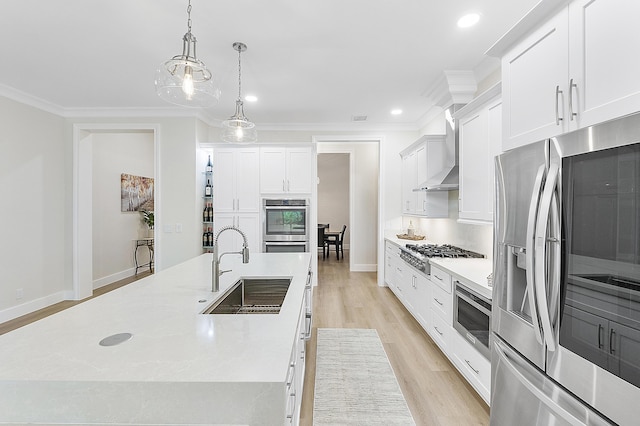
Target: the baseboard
(363, 267)
(101, 282)
(31, 306)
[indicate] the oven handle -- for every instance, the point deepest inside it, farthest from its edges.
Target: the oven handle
(286, 207)
(285, 243)
(473, 303)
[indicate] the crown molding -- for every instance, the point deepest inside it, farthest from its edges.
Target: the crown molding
(30, 100)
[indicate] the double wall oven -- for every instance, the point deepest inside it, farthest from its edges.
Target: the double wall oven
(566, 299)
(285, 225)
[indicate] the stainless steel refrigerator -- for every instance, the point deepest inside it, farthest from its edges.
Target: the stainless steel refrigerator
(566, 300)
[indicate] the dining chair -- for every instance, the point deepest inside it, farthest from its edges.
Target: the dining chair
(337, 241)
(321, 239)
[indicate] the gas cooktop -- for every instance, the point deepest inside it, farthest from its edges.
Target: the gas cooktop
(444, 250)
(416, 254)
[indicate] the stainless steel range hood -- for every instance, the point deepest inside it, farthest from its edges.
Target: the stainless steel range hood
(447, 179)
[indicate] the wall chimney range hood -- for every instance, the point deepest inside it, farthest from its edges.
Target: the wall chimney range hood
(448, 178)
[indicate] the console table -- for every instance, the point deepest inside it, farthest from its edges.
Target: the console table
(143, 242)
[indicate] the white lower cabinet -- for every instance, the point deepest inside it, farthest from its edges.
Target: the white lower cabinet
(295, 375)
(473, 365)
(430, 301)
(249, 223)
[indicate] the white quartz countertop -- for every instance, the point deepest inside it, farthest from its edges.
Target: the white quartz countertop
(470, 272)
(172, 341)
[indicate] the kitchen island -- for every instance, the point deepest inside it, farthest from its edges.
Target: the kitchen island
(179, 367)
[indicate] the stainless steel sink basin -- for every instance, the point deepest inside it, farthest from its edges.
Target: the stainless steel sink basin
(252, 296)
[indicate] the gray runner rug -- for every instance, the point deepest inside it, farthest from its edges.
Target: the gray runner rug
(355, 384)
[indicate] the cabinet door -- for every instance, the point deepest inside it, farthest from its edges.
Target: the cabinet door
(472, 364)
(299, 168)
(247, 180)
(250, 225)
(422, 300)
(480, 142)
(604, 34)
(272, 170)
(474, 146)
(224, 183)
(409, 182)
(531, 73)
(624, 358)
(585, 334)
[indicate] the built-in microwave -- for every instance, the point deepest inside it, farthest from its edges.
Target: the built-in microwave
(472, 317)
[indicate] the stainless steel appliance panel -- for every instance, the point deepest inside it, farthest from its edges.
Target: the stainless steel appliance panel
(598, 354)
(534, 399)
(285, 220)
(519, 179)
(285, 247)
(472, 317)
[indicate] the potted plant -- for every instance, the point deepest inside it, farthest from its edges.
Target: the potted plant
(148, 219)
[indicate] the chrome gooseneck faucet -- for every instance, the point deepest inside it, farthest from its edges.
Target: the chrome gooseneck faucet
(215, 276)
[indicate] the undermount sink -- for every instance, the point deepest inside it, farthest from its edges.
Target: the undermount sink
(252, 296)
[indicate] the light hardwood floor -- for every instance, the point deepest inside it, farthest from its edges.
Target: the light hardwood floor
(435, 392)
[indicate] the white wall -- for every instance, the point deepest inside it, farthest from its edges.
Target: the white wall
(333, 192)
(33, 193)
(115, 153)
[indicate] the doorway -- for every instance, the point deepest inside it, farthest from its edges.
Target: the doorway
(85, 137)
(334, 199)
(364, 196)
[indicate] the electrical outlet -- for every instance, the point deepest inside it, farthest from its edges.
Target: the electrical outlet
(19, 294)
(178, 227)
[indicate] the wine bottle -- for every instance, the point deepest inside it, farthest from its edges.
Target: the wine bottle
(210, 212)
(205, 213)
(210, 237)
(205, 238)
(209, 165)
(208, 189)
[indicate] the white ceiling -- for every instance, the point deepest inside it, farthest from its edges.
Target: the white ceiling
(310, 62)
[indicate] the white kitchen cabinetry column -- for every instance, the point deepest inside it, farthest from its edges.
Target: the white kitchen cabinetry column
(285, 170)
(567, 68)
(236, 196)
(480, 141)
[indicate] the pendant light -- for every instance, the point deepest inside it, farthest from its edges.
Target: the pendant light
(238, 128)
(184, 79)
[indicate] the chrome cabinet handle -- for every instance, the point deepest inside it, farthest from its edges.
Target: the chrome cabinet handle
(471, 367)
(558, 118)
(571, 86)
(437, 277)
(283, 188)
(439, 302)
(436, 329)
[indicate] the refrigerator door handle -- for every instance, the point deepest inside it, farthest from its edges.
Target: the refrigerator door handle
(540, 265)
(530, 251)
(542, 396)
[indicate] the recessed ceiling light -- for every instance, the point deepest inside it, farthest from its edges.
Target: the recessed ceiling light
(396, 111)
(468, 20)
(251, 98)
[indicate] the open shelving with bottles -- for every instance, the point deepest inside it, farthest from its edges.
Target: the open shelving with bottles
(207, 213)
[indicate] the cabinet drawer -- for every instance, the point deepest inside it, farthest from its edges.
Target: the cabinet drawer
(440, 331)
(441, 303)
(441, 278)
(473, 365)
(392, 249)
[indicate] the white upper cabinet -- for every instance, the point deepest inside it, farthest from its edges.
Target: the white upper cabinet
(236, 180)
(569, 71)
(480, 135)
(603, 60)
(421, 161)
(285, 170)
(534, 84)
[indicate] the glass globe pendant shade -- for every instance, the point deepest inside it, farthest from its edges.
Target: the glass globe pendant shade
(238, 128)
(184, 80)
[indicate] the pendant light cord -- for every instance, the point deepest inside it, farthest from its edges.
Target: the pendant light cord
(189, 17)
(239, 75)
